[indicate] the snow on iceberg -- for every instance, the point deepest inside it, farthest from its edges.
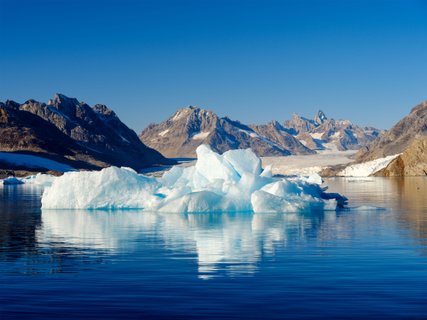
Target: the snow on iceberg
(365, 169)
(230, 182)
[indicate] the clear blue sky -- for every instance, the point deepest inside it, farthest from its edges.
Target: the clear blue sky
(251, 60)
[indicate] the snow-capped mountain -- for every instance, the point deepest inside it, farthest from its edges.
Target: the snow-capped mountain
(74, 133)
(321, 133)
(183, 132)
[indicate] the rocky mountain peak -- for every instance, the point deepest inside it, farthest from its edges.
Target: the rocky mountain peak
(320, 117)
(12, 104)
(64, 104)
(103, 110)
(420, 107)
(332, 133)
(192, 114)
(186, 129)
(92, 137)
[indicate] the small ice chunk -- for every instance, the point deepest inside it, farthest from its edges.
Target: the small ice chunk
(12, 181)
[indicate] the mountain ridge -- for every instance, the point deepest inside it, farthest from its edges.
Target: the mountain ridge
(181, 133)
(73, 132)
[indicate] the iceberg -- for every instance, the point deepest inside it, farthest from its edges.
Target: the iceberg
(231, 182)
(12, 181)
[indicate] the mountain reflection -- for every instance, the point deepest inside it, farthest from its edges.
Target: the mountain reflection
(405, 197)
(413, 206)
(233, 242)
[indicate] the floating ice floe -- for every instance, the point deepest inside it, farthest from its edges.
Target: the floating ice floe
(368, 168)
(12, 181)
(40, 179)
(232, 182)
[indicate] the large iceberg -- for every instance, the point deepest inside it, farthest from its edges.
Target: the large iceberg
(231, 182)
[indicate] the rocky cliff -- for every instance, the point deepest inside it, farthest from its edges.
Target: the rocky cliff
(412, 162)
(399, 137)
(72, 132)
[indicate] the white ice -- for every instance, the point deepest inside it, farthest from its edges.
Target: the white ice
(232, 182)
(366, 169)
(40, 179)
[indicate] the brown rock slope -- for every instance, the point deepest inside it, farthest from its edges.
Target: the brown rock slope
(72, 132)
(399, 137)
(412, 162)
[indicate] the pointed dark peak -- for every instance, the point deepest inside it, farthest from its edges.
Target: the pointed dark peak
(320, 117)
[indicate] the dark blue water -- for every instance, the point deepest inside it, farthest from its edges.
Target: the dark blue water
(360, 263)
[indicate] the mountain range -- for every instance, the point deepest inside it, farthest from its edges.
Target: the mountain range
(184, 131)
(72, 132)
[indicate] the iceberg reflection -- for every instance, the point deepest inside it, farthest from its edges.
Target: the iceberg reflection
(233, 243)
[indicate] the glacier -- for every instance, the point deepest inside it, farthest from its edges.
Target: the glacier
(365, 169)
(231, 182)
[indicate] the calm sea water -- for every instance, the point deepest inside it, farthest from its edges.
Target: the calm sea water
(366, 262)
